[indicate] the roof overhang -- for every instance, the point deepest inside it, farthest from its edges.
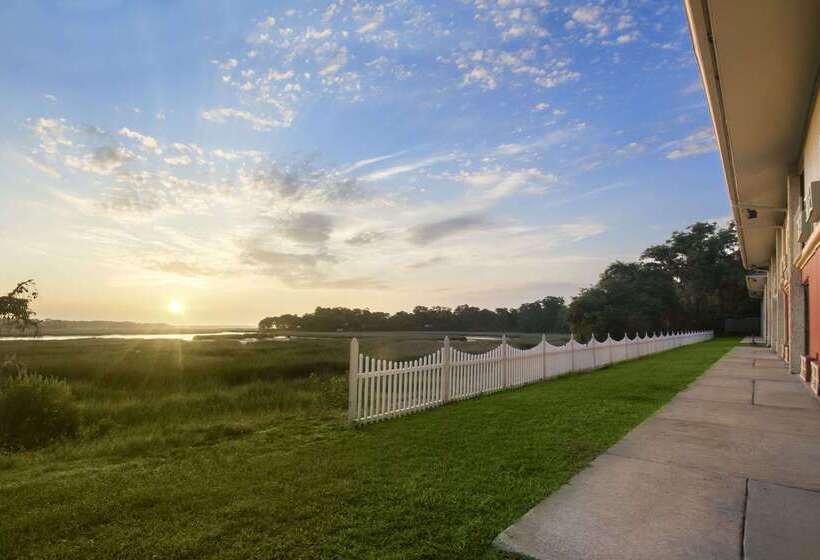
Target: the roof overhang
(759, 61)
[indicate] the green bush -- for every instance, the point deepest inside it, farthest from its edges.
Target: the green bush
(34, 410)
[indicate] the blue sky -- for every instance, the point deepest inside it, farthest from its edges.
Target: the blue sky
(252, 158)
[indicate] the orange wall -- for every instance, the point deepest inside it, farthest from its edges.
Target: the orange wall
(811, 274)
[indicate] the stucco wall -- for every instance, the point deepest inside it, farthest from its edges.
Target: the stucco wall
(811, 272)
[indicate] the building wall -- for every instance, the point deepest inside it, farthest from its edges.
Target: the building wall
(810, 273)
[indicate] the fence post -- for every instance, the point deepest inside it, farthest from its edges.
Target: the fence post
(591, 346)
(571, 352)
(543, 356)
(445, 371)
(504, 368)
(353, 380)
(611, 343)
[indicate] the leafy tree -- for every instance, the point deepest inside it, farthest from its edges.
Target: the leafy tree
(545, 315)
(694, 280)
(629, 298)
(16, 313)
(705, 263)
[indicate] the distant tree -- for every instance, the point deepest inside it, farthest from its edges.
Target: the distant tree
(15, 308)
(267, 323)
(545, 315)
(629, 298)
(705, 263)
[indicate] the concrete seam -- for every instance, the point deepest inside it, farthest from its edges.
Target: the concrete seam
(664, 416)
(726, 474)
(743, 522)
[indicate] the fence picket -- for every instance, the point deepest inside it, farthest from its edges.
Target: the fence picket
(383, 388)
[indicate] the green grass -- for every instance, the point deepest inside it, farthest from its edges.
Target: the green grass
(263, 465)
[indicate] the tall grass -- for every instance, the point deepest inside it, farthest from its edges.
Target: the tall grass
(148, 397)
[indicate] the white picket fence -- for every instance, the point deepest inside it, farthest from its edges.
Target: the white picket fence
(381, 389)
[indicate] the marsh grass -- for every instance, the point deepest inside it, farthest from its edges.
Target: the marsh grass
(150, 396)
(192, 460)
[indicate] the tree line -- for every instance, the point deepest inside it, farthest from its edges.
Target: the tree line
(694, 280)
(545, 315)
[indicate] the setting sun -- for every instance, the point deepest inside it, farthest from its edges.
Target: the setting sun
(175, 307)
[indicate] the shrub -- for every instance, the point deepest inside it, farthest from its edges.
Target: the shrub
(34, 410)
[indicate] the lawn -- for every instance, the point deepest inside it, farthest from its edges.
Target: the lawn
(186, 456)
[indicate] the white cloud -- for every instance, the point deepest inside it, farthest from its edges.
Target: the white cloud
(229, 64)
(223, 114)
(279, 76)
(625, 22)
(699, 142)
(489, 68)
(183, 159)
(633, 148)
(370, 161)
(232, 155)
(580, 231)
(407, 167)
(52, 133)
(514, 19)
(187, 148)
(366, 238)
(374, 23)
(627, 38)
(102, 161)
(481, 76)
(598, 21)
(147, 142)
(591, 18)
(497, 182)
(43, 167)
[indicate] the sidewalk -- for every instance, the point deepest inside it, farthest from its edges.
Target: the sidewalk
(728, 469)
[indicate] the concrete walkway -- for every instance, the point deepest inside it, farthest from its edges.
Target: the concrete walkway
(728, 469)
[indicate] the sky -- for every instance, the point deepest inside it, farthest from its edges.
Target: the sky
(244, 159)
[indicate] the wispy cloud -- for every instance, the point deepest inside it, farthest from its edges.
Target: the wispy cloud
(370, 161)
(427, 233)
(145, 141)
(699, 142)
(223, 114)
(407, 167)
(497, 182)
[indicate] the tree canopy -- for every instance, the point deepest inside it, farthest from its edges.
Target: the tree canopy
(16, 313)
(695, 280)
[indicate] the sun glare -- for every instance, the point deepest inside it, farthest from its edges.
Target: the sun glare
(175, 307)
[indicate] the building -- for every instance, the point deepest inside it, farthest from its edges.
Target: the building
(759, 60)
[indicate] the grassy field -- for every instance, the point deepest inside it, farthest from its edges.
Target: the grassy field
(221, 450)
